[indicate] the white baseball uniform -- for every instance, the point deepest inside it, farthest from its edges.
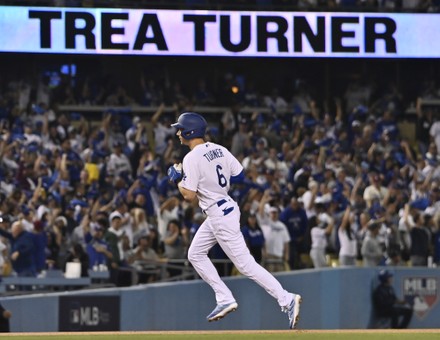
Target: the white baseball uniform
(207, 170)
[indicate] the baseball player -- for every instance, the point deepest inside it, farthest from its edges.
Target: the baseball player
(206, 174)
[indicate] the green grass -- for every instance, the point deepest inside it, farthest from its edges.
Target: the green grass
(249, 335)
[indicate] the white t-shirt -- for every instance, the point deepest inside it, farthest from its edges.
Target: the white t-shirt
(118, 164)
(276, 236)
(371, 192)
(207, 170)
(161, 133)
(348, 247)
(319, 238)
(127, 228)
(434, 131)
(307, 199)
(405, 229)
(164, 218)
(2, 259)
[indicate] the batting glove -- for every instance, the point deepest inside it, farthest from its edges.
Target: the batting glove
(175, 173)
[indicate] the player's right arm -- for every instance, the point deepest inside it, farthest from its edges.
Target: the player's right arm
(189, 183)
(188, 195)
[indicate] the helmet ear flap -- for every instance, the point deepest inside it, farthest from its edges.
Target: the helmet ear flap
(187, 134)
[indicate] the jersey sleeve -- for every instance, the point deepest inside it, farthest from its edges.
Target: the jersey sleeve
(235, 165)
(191, 175)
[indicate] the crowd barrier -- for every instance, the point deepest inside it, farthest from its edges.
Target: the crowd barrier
(333, 298)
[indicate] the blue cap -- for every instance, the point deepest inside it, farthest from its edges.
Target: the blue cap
(32, 147)
(79, 202)
(420, 204)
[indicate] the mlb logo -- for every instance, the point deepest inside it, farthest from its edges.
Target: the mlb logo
(421, 293)
(74, 316)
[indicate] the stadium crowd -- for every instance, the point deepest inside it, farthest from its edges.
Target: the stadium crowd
(336, 185)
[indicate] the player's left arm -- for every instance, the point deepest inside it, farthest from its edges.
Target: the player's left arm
(237, 170)
(238, 178)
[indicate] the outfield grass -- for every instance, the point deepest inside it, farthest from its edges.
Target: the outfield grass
(239, 335)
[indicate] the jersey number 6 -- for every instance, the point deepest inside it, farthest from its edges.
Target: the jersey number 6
(222, 181)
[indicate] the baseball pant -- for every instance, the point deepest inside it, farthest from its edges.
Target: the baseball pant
(222, 225)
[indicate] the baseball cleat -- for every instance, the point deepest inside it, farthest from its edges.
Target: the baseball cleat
(292, 310)
(221, 311)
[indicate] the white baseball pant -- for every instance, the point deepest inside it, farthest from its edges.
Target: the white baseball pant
(225, 229)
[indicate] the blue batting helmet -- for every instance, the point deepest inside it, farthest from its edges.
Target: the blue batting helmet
(191, 124)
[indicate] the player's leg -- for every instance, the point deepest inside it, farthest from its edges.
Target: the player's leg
(228, 234)
(230, 238)
(203, 241)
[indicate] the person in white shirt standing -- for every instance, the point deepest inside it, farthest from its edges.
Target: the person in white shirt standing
(347, 240)
(206, 175)
(319, 233)
(275, 233)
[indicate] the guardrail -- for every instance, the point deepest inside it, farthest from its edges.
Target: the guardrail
(152, 109)
(15, 283)
(95, 109)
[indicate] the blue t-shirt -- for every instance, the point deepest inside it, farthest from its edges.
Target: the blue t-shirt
(254, 237)
(96, 258)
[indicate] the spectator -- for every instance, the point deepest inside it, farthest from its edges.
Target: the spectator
(241, 142)
(175, 240)
(40, 246)
(78, 254)
(308, 198)
(126, 222)
(81, 234)
(168, 211)
(139, 196)
(228, 123)
(296, 221)
(386, 303)
(347, 240)
(118, 241)
(436, 246)
(254, 237)
(375, 192)
(141, 227)
(145, 260)
(57, 241)
(276, 235)
(162, 130)
(22, 252)
(118, 163)
(321, 227)
(275, 101)
(420, 241)
(175, 243)
(4, 260)
(5, 315)
(113, 237)
(406, 223)
(372, 252)
(98, 250)
(5, 265)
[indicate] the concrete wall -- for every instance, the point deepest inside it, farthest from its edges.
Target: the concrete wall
(333, 298)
